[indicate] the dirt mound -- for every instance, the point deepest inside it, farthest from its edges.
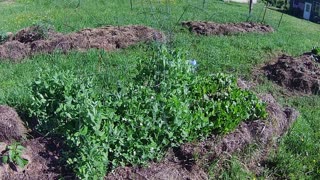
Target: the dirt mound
(212, 28)
(182, 164)
(42, 155)
(34, 40)
(11, 126)
(34, 33)
(300, 74)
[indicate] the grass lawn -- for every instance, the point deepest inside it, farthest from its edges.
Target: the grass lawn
(298, 155)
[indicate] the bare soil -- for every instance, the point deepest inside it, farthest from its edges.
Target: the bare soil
(300, 74)
(212, 28)
(32, 40)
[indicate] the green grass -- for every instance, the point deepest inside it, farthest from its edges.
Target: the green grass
(233, 54)
(298, 156)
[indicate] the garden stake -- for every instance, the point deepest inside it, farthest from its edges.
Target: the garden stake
(131, 4)
(264, 14)
(280, 20)
(250, 7)
(184, 11)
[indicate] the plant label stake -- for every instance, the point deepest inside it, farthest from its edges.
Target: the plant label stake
(250, 7)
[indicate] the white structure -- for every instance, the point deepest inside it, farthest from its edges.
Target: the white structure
(307, 10)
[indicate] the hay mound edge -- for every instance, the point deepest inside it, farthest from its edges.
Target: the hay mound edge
(31, 41)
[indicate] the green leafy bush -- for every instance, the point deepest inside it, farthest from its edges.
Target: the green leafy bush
(66, 105)
(167, 104)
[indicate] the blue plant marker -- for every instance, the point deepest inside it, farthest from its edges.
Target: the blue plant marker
(193, 63)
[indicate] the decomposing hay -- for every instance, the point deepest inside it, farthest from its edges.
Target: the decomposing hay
(301, 74)
(33, 40)
(212, 28)
(11, 126)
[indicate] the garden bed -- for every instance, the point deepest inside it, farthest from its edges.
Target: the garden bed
(212, 28)
(37, 40)
(185, 162)
(179, 163)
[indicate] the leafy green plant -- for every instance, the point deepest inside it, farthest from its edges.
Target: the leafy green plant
(315, 50)
(65, 105)
(14, 152)
(3, 37)
(166, 105)
(316, 53)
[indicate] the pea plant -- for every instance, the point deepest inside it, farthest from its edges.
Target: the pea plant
(166, 105)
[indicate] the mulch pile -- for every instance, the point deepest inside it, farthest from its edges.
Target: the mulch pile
(212, 28)
(11, 126)
(35, 40)
(300, 74)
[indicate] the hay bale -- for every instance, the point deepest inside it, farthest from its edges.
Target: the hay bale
(11, 126)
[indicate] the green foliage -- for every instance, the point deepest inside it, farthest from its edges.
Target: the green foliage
(3, 37)
(232, 54)
(282, 4)
(229, 168)
(66, 105)
(298, 154)
(137, 122)
(315, 50)
(42, 29)
(14, 152)
(316, 53)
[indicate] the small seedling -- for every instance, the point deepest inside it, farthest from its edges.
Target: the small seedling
(315, 50)
(316, 53)
(14, 155)
(3, 37)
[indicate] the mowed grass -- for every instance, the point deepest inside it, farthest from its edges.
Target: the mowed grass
(297, 156)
